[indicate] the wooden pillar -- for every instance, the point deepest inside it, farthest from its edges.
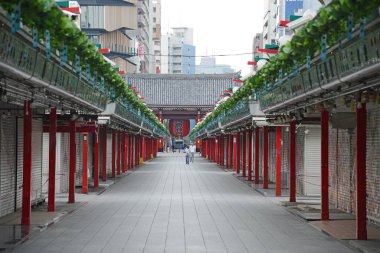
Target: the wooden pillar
(361, 184)
(325, 165)
(96, 159)
(244, 154)
(72, 168)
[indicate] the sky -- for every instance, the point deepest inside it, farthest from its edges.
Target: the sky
(220, 26)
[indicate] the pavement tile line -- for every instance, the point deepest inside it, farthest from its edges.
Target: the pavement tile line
(167, 206)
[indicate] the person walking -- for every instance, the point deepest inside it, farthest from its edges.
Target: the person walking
(192, 152)
(187, 152)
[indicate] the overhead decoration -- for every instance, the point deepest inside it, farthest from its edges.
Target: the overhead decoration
(46, 15)
(304, 44)
(179, 128)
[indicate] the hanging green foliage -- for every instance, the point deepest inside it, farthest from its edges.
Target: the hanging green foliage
(330, 21)
(45, 15)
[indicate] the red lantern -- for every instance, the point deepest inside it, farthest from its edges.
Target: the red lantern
(179, 128)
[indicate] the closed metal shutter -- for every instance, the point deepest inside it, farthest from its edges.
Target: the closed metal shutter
(312, 174)
(36, 191)
(64, 162)
(45, 162)
(7, 164)
(37, 159)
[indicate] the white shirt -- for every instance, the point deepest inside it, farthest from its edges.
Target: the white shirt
(187, 151)
(192, 148)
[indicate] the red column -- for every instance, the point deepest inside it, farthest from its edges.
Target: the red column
(84, 164)
(231, 154)
(207, 148)
(137, 150)
(234, 151)
(325, 165)
(249, 155)
(238, 152)
(227, 151)
(265, 160)
(292, 169)
(222, 150)
(244, 154)
(257, 155)
(278, 160)
(126, 143)
(104, 159)
(118, 159)
(131, 142)
(123, 152)
(217, 150)
(72, 162)
(361, 184)
(52, 158)
(27, 166)
(96, 159)
(113, 153)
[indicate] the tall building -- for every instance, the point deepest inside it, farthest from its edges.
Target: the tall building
(109, 24)
(157, 34)
(145, 36)
(257, 43)
(208, 66)
(178, 52)
(278, 11)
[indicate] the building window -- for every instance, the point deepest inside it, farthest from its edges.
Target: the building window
(154, 29)
(154, 20)
(154, 9)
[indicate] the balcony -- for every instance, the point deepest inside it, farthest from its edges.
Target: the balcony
(17, 53)
(358, 60)
(122, 51)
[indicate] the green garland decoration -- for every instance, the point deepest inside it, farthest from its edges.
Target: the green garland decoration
(46, 15)
(331, 20)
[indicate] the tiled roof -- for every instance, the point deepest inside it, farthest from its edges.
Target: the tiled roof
(175, 90)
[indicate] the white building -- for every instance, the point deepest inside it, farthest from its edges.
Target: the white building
(208, 66)
(178, 52)
(157, 34)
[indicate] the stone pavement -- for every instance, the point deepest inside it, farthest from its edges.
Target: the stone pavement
(167, 206)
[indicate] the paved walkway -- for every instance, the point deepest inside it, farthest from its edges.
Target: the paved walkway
(167, 206)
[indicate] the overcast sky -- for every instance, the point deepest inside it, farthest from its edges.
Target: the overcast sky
(220, 26)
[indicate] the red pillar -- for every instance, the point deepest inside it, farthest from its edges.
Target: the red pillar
(113, 153)
(244, 154)
(235, 137)
(84, 164)
(257, 155)
(137, 150)
(222, 150)
(96, 159)
(217, 150)
(249, 155)
(265, 160)
(278, 160)
(118, 159)
(361, 184)
(227, 151)
(72, 162)
(27, 166)
(292, 169)
(238, 152)
(207, 148)
(123, 152)
(52, 158)
(231, 154)
(104, 159)
(325, 165)
(131, 138)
